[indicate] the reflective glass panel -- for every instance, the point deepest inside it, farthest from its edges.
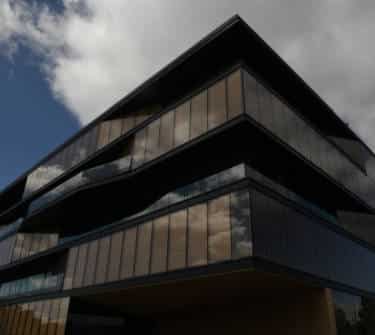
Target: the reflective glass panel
(166, 132)
(219, 237)
(159, 245)
(115, 257)
(235, 102)
(197, 235)
(240, 224)
(152, 145)
(103, 257)
(142, 264)
(217, 109)
(91, 263)
(182, 124)
(198, 115)
(128, 253)
(70, 267)
(80, 266)
(177, 240)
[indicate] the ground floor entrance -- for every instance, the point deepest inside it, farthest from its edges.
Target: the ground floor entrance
(238, 302)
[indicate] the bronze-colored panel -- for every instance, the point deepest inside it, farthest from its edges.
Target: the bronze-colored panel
(235, 101)
(92, 144)
(128, 253)
(43, 244)
(219, 236)
(152, 145)
(37, 318)
(128, 123)
(115, 257)
(17, 247)
(197, 239)
(35, 243)
(26, 246)
(182, 124)
(29, 318)
(139, 147)
(89, 277)
(53, 317)
(217, 109)
(251, 96)
(142, 260)
(80, 265)
(103, 257)
(198, 115)
(63, 315)
(10, 321)
(5, 318)
(45, 317)
(17, 319)
(166, 132)
(159, 245)
(103, 137)
(53, 239)
(177, 240)
(70, 267)
(22, 319)
(115, 130)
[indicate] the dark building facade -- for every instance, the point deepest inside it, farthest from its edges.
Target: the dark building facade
(222, 195)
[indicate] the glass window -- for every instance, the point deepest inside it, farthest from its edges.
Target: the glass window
(166, 132)
(266, 107)
(80, 266)
(37, 318)
(197, 229)
(63, 315)
(152, 145)
(70, 267)
(10, 320)
(251, 96)
(91, 263)
(139, 147)
(103, 257)
(45, 316)
(54, 314)
(128, 123)
(240, 224)
(92, 143)
(128, 253)
(142, 263)
(29, 317)
(219, 239)
(235, 102)
(22, 318)
(115, 257)
(116, 128)
(177, 240)
(182, 124)
(159, 245)
(217, 109)
(198, 115)
(103, 136)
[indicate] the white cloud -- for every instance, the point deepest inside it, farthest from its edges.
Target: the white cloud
(96, 51)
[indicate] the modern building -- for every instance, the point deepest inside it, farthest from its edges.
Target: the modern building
(221, 196)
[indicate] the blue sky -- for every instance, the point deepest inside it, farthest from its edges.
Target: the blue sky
(32, 122)
(64, 62)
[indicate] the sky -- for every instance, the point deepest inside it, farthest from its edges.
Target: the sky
(64, 62)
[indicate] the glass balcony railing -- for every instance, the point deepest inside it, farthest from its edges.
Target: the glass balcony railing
(31, 285)
(207, 110)
(89, 176)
